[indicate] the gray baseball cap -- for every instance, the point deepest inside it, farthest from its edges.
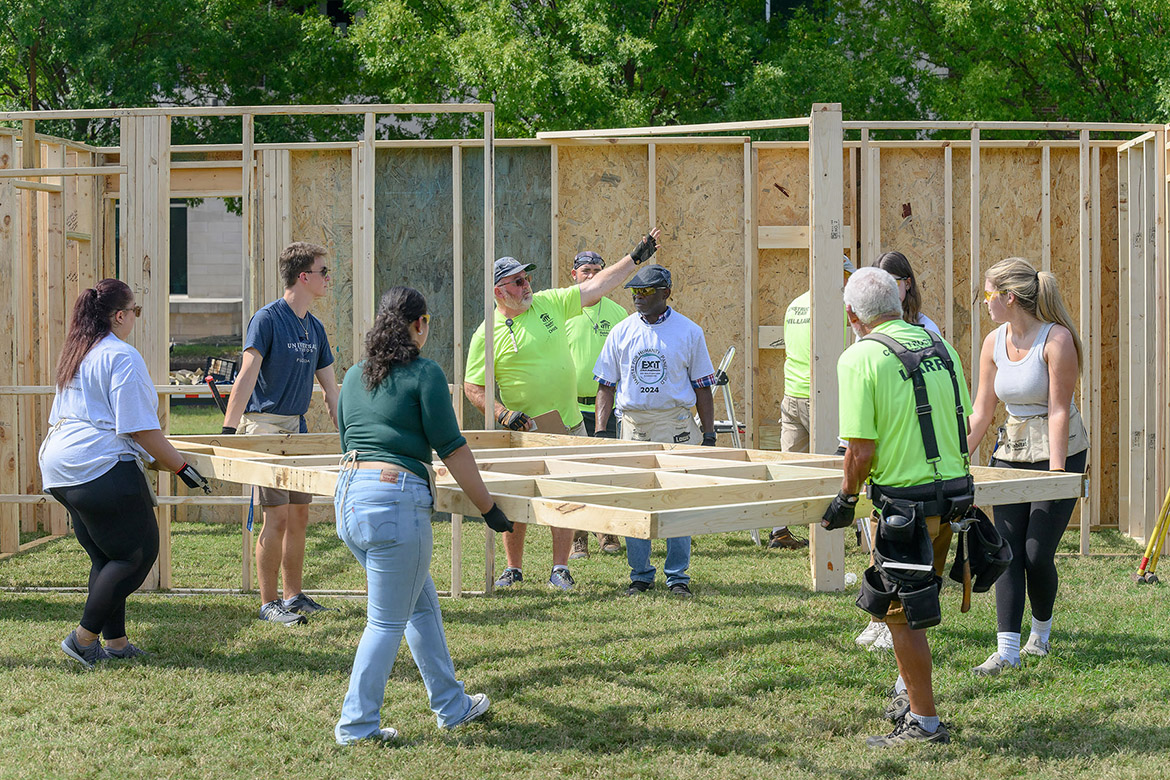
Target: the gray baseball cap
(652, 275)
(506, 266)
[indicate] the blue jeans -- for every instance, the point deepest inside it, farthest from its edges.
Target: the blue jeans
(387, 527)
(678, 560)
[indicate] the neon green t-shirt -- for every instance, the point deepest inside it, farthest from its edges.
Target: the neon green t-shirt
(533, 365)
(877, 402)
(587, 333)
(798, 346)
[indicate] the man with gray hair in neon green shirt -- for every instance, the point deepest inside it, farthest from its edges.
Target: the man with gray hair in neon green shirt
(535, 372)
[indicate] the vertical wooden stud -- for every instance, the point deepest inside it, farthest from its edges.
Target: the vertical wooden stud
(949, 245)
(1046, 208)
(975, 278)
(652, 182)
(554, 225)
(457, 286)
(1153, 501)
(1123, 343)
(751, 276)
(489, 310)
(1136, 435)
(363, 272)
(10, 221)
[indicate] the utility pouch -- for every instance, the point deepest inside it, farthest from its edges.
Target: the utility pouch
(899, 519)
(903, 552)
(876, 594)
(921, 606)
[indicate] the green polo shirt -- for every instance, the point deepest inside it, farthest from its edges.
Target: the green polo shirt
(587, 333)
(533, 365)
(798, 346)
(877, 402)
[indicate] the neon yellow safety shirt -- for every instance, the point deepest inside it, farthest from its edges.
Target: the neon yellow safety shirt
(877, 402)
(533, 365)
(798, 346)
(587, 333)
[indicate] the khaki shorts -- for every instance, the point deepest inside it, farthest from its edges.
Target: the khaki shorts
(940, 537)
(256, 423)
(794, 424)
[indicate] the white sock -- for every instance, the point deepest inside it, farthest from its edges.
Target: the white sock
(1009, 646)
(1042, 628)
(899, 685)
(929, 725)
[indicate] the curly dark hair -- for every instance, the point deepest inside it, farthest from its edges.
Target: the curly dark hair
(389, 343)
(897, 266)
(93, 319)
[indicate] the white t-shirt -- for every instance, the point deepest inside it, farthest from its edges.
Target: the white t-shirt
(928, 323)
(110, 397)
(653, 365)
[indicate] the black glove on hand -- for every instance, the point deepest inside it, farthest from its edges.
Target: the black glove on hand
(192, 478)
(708, 440)
(497, 520)
(516, 421)
(603, 434)
(644, 250)
(227, 431)
(840, 512)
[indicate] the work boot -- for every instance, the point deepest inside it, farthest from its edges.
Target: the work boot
(610, 543)
(580, 547)
(782, 539)
(910, 730)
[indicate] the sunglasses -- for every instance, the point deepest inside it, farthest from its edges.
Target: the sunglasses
(426, 318)
(901, 279)
(643, 292)
(519, 282)
(136, 309)
(987, 296)
(324, 271)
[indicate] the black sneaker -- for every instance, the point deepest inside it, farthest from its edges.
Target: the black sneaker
(637, 586)
(909, 730)
(898, 707)
(680, 589)
(275, 612)
(304, 605)
(87, 656)
(509, 578)
(129, 651)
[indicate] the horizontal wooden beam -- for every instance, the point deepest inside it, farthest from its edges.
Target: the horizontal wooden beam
(375, 108)
(771, 337)
(96, 170)
(793, 236)
(714, 127)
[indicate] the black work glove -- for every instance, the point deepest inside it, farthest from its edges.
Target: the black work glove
(516, 421)
(840, 512)
(227, 430)
(192, 478)
(644, 250)
(497, 520)
(602, 433)
(708, 440)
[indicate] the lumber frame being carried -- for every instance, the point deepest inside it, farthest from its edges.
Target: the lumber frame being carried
(641, 489)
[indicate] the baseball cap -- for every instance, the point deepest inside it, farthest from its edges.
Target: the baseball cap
(587, 258)
(652, 275)
(506, 266)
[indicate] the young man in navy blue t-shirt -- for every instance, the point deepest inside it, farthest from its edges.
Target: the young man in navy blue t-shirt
(286, 347)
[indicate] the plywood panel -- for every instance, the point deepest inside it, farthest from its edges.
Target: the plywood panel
(604, 198)
(523, 226)
(700, 211)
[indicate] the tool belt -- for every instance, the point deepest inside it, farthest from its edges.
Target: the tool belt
(903, 568)
(588, 400)
(1025, 439)
(949, 499)
(987, 551)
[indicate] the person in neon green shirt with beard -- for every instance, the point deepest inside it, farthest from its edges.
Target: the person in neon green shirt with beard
(587, 333)
(535, 372)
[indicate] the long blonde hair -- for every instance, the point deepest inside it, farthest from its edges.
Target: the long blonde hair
(1036, 291)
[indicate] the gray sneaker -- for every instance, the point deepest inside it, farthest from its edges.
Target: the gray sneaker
(87, 656)
(899, 706)
(909, 730)
(994, 664)
(479, 705)
(129, 651)
(1035, 647)
(561, 578)
(275, 612)
(509, 578)
(304, 605)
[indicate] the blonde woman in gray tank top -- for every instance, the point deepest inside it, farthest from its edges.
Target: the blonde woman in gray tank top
(1031, 362)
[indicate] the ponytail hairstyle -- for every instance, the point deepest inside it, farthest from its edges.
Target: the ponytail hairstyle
(1037, 293)
(389, 342)
(93, 319)
(897, 266)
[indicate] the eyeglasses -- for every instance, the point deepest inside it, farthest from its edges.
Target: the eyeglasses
(324, 271)
(426, 318)
(136, 309)
(901, 279)
(644, 291)
(987, 296)
(518, 281)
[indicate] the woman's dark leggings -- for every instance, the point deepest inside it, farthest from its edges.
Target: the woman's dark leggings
(1033, 531)
(113, 518)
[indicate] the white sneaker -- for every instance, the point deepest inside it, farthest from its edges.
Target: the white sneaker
(873, 629)
(1035, 646)
(388, 734)
(994, 664)
(885, 640)
(479, 705)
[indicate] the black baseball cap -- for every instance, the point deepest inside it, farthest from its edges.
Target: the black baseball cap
(506, 266)
(588, 258)
(652, 275)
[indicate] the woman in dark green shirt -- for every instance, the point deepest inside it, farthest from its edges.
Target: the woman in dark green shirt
(395, 408)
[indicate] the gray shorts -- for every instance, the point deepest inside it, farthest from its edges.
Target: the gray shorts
(257, 423)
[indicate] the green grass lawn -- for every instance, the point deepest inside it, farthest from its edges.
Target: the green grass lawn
(192, 419)
(757, 677)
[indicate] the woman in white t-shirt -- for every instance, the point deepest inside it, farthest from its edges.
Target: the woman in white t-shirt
(104, 424)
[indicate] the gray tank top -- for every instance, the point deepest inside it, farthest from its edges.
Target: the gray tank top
(1022, 384)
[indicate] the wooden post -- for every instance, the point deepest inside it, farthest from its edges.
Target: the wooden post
(1123, 343)
(1136, 434)
(10, 221)
(489, 309)
(1154, 184)
(457, 336)
(27, 328)
(975, 278)
(363, 269)
(949, 245)
(751, 277)
(826, 216)
(1162, 298)
(554, 162)
(1045, 208)
(652, 183)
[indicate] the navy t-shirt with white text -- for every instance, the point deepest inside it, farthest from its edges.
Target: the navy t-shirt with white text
(292, 350)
